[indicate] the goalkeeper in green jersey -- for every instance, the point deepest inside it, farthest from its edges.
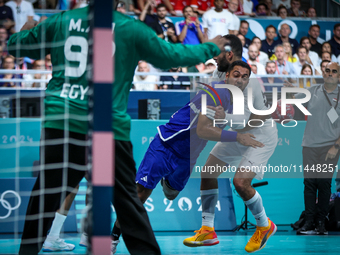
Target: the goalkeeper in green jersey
(64, 36)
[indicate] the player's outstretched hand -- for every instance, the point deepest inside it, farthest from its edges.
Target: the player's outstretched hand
(215, 112)
(220, 41)
(247, 140)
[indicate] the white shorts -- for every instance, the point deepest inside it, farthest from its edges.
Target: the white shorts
(248, 158)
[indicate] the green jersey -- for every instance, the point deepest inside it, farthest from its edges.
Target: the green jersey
(134, 41)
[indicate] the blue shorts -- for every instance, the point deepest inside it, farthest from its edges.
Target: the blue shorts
(160, 161)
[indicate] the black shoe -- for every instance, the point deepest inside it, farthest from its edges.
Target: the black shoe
(321, 229)
(307, 229)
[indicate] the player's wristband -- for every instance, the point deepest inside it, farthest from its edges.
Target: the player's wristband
(228, 136)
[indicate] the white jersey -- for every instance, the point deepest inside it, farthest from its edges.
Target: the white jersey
(240, 156)
(218, 23)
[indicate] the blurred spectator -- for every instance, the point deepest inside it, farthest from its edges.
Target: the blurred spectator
(8, 64)
(253, 59)
(244, 27)
(284, 33)
(295, 11)
(306, 70)
(313, 56)
(152, 79)
(323, 65)
(335, 41)
(164, 28)
(22, 12)
(218, 21)
(288, 53)
(6, 17)
(210, 66)
(282, 12)
(48, 62)
(282, 66)
(326, 46)
(302, 55)
(243, 41)
(232, 8)
(141, 4)
(321, 69)
(261, 9)
(3, 41)
(23, 63)
(37, 65)
(269, 4)
(175, 81)
(271, 69)
(201, 6)
(311, 13)
(178, 6)
(199, 68)
(1, 56)
(189, 31)
(325, 56)
(121, 7)
(248, 7)
(263, 57)
(268, 44)
(314, 33)
(147, 15)
(278, 3)
(253, 68)
(129, 6)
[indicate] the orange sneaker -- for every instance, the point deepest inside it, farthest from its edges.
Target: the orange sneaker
(206, 236)
(260, 237)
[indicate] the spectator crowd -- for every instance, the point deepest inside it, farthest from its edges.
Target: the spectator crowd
(202, 20)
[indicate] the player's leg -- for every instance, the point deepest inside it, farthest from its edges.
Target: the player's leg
(206, 235)
(41, 200)
(310, 157)
(264, 227)
(53, 241)
(131, 214)
(150, 172)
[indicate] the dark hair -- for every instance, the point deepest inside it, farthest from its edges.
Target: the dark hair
(326, 52)
(235, 44)
(322, 47)
(252, 40)
(306, 66)
(312, 8)
(304, 38)
(271, 26)
(265, 6)
(323, 61)
(301, 47)
(186, 7)
(160, 6)
(244, 21)
(315, 25)
(241, 64)
(336, 26)
(279, 9)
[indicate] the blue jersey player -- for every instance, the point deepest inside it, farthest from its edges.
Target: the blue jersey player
(174, 151)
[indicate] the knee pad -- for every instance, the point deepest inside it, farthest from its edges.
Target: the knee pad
(168, 191)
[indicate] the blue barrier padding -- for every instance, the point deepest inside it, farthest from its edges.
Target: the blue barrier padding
(102, 210)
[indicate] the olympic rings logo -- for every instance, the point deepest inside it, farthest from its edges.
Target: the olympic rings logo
(7, 205)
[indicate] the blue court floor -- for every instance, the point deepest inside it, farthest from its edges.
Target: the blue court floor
(283, 242)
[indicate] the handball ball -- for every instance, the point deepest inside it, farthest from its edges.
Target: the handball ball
(289, 112)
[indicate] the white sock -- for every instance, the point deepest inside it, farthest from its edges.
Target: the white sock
(57, 224)
(209, 199)
(256, 207)
(208, 219)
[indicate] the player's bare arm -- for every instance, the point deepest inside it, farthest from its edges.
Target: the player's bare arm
(206, 130)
